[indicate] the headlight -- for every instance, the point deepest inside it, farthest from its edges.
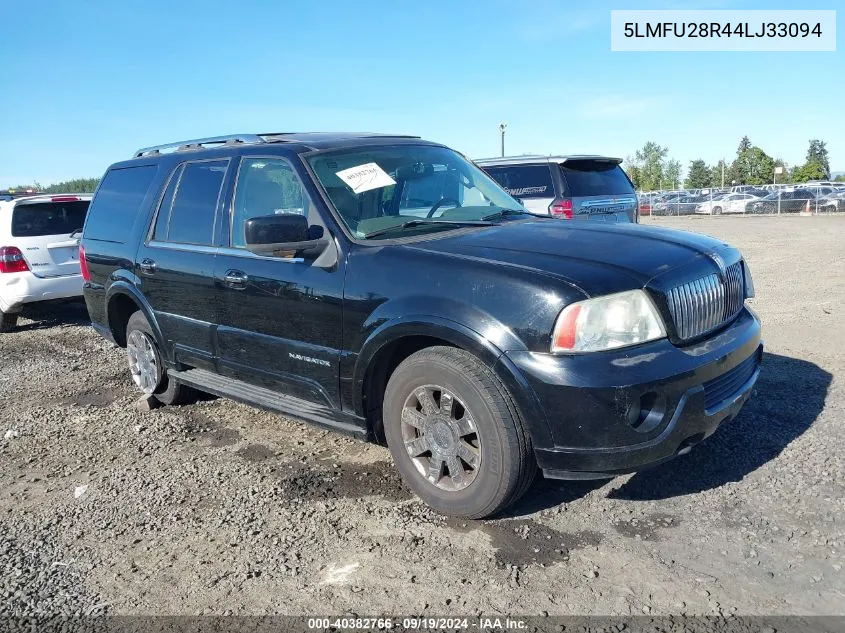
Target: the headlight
(609, 322)
(749, 282)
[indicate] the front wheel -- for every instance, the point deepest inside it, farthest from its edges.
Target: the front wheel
(455, 434)
(146, 367)
(717, 210)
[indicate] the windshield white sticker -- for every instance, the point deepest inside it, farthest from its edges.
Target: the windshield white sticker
(365, 177)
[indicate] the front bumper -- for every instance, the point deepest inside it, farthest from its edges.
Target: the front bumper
(17, 289)
(615, 412)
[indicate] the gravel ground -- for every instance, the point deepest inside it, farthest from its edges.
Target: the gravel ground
(219, 508)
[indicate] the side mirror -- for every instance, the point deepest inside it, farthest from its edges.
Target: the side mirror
(268, 234)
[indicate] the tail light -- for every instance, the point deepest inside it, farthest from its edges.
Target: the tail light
(561, 208)
(11, 260)
(83, 265)
(64, 199)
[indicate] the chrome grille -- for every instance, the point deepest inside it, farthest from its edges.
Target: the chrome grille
(702, 305)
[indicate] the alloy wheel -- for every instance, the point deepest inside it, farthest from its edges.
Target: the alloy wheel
(143, 362)
(441, 437)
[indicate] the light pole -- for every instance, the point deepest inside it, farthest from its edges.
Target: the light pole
(502, 127)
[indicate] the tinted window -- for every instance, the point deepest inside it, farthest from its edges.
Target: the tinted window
(191, 217)
(163, 216)
(594, 178)
(266, 186)
(117, 203)
(48, 218)
(524, 181)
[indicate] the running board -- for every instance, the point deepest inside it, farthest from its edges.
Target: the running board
(271, 401)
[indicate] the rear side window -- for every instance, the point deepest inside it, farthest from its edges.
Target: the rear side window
(524, 181)
(190, 216)
(118, 200)
(48, 218)
(594, 178)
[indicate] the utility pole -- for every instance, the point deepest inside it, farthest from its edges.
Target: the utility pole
(723, 173)
(502, 127)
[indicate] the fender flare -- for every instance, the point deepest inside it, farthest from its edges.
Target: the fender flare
(124, 287)
(466, 338)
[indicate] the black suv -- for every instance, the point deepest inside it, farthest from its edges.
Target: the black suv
(317, 275)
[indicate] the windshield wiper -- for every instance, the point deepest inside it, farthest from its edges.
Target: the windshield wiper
(505, 213)
(412, 223)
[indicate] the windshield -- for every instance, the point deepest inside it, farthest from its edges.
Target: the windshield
(377, 190)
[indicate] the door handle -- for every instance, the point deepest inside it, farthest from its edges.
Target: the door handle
(235, 279)
(147, 265)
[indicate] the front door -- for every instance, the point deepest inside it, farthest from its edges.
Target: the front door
(279, 317)
(175, 265)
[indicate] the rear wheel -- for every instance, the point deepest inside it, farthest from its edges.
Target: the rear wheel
(8, 321)
(146, 367)
(455, 434)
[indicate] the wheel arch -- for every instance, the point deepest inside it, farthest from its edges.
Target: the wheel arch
(122, 300)
(395, 341)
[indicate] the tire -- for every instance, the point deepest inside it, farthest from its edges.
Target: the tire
(8, 321)
(165, 390)
(481, 425)
(717, 210)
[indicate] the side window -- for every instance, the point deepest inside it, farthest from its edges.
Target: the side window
(118, 203)
(266, 186)
(163, 218)
(187, 212)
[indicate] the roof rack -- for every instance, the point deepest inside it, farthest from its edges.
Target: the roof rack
(199, 143)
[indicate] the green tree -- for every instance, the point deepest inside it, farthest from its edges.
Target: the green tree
(810, 170)
(650, 162)
(672, 174)
(839, 178)
(699, 175)
(752, 165)
(716, 174)
(78, 185)
(817, 154)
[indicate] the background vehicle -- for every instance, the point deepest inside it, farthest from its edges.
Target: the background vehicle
(833, 202)
(730, 203)
(784, 201)
(580, 187)
(480, 341)
(39, 238)
(11, 194)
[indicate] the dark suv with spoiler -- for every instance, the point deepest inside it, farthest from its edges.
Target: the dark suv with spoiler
(386, 287)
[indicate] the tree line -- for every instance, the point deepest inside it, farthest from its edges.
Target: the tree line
(77, 185)
(651, 168)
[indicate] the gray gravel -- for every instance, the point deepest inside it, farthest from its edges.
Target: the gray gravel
(219, 508)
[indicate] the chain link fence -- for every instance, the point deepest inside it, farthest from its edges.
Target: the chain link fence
(765, 200)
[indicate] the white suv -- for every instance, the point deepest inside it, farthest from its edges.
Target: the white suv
(39, 251)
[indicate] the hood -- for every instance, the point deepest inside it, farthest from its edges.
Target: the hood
(596, 258)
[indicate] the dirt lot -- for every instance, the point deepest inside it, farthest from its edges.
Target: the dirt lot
(221, 508)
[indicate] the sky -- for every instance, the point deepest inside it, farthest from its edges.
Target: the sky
(87, 83)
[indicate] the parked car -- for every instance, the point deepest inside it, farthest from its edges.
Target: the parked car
(731, 203)
(11, 194)
(833, 202)
(580, 187)
(39, 240)
(479, 342)
(784, 201)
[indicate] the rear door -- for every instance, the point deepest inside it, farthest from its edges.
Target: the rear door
(599, 189)
(175, 264)
(532, 184)
(47, 231)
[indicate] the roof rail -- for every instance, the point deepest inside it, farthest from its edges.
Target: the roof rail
(199, 143)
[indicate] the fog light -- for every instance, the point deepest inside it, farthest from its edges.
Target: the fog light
(647, 412)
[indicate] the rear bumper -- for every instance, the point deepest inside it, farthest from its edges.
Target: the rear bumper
(17, 289)
(618, 412)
